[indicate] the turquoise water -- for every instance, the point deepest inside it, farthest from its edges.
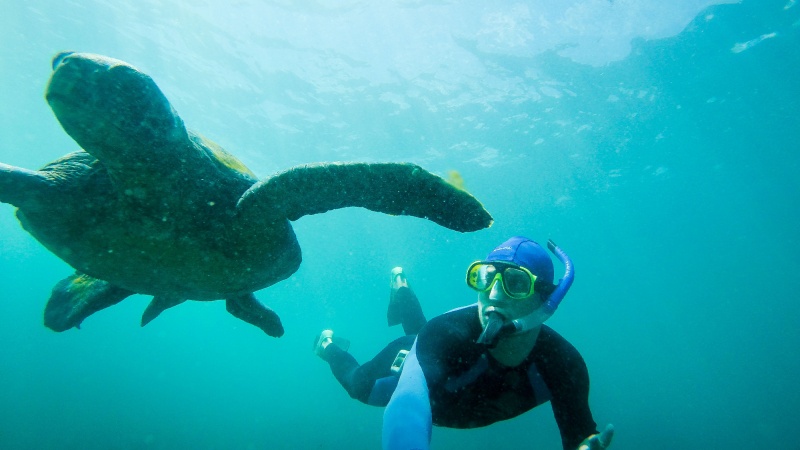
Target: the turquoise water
(656, 143)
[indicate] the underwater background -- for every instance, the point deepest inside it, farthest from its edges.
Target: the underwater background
(656, 142)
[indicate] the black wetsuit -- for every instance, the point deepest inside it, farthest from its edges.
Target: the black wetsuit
(465, 386)
(468, 388)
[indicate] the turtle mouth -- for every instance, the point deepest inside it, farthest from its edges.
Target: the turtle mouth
(83, 79)
(58, 100)
(69, 86)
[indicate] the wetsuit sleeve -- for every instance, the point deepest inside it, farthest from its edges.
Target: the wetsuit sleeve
(566, 376)
(407, 418)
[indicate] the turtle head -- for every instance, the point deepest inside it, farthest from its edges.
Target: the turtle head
(113, 110)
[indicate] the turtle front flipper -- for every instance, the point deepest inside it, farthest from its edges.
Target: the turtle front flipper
(249, 309)
(78, 297)
(158, 305)
(22, 187)
(391, 188)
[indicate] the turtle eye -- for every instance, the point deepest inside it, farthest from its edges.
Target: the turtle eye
(60, 57)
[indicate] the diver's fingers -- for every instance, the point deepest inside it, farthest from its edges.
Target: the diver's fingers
(604, 438)
(599, 441)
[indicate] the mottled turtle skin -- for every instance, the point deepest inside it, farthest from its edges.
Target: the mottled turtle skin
(152, 208)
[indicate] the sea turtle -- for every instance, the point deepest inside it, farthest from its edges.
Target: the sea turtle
(150, 207)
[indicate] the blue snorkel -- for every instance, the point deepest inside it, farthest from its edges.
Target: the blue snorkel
(550, 305)
(565, 283)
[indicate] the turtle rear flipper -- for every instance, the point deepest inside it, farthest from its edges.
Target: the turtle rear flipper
(249, 309)
(158, 305)
(391, 188)
(78, 297)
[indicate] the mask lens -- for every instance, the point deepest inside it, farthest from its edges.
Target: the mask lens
(486, 275)
(480, 276)
(516, 282)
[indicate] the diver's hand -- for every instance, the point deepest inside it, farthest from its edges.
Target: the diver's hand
(598, 441)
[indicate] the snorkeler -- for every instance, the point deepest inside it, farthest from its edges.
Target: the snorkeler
(479, 364)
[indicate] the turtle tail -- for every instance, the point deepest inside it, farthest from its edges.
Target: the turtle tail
(158, 305)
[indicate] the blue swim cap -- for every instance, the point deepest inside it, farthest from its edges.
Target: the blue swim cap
(526, 253)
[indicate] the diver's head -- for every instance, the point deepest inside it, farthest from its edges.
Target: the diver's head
(513, 282)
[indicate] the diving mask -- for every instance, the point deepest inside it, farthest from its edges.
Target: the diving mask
(517, 282)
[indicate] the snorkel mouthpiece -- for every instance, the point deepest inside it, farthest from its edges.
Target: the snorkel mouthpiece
(496, 326)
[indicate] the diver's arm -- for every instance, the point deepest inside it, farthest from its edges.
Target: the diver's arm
(566, 376)
(407, 418)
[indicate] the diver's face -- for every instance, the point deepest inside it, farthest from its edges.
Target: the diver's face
(496, 300)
